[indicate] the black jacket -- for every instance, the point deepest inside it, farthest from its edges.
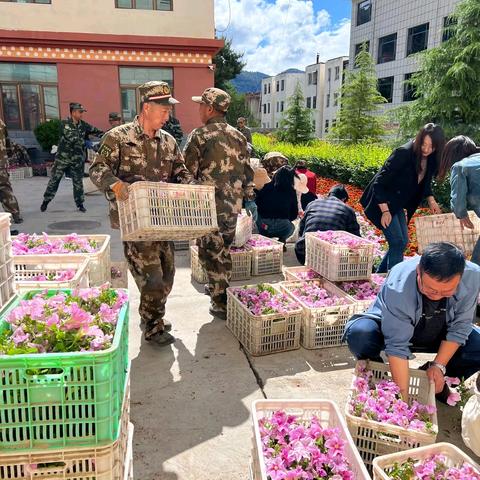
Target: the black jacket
(275, 203)
(396, 184)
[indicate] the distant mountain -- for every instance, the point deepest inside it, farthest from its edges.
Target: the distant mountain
(249, 82)
(293, 70)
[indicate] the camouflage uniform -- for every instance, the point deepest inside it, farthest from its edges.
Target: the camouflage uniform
(113, 118)
(216, 154)
(246, 132)
(126, 153)
(174, 129)
(18, 155)
(70, 157)
(272, 161)
(7, 198)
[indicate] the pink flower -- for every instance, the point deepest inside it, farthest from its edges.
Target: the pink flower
(453, 398)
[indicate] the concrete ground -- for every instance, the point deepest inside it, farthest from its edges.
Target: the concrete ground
(191, 402)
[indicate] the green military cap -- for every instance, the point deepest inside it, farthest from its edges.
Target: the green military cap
(158, 92)
(114, 116)
(216, 98)
(77, 106)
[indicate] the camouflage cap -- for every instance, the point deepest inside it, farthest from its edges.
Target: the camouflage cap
(270, 155)
(158, 92)
(77, 106)
(216, 98)
(114, 116)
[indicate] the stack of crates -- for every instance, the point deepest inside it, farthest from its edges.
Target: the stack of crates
(7, 270)
(66, 415)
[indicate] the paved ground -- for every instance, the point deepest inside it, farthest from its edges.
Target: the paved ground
(191, 402)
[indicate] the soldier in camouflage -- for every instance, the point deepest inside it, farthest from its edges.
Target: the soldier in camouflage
(138, 151)
(216, 154)
(114, 119)
(272, 161)
(174, 129)
(71, 156)
(7, 198)
(17, 155)
(242, 127)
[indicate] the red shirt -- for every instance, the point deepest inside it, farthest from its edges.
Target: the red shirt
(311, 179)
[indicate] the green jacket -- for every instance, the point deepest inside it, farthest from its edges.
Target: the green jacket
(72, 139)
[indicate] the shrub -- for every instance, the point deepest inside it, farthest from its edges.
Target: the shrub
(48, 134)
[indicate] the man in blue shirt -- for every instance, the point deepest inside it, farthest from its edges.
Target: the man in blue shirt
(427, 304)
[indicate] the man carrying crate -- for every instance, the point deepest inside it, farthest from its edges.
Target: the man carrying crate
(216, 154)
(141, 151)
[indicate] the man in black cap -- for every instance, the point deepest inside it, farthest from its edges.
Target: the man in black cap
(114, 119)
(330, 213)
(71, 156)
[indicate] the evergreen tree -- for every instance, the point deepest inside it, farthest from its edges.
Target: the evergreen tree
(359, 119)
(228, 64)
(296, 126)
(238, 107)
(447, 87)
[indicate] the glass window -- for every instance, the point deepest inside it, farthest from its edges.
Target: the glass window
(124, 4)
(364, 12)
(264, 108)
(278, 106)
(337, 73)
(309, 78)
(30, 101)
(282, 88)
(137, 76)
(269, 88)
(326, 126)
(328, 100)
(315, 78)
(448, 23)
(387, 48)
(329, 75)
(358, 48)
(314, 102)
(278, 86)
(408, 88)
(385, 87)
(265, 89)
(129, 104)
(28, 1)
(309, 102)
(335, 99)
(282, 106)
(314, 125)
(11, 107)
(417, 39)
(50, 100)
(146, 4)
(27, 72)
(269, 107)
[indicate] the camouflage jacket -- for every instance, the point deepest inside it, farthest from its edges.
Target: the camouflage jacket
(72, 139)
(247, 133)
(3, 146)
(126, 153)
(216, 154)
(174, 129)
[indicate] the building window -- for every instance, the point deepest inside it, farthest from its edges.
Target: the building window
(387, 47)
(337, 73)
(269, 88)
(282, 88)
(329, 74)
(314, 125)
(358, 48)
(326, 126)
(364, 12)
(314, 102)
(315, 78)
(385, 87)
(448, 24)
(268, 107)
(264, 108)
(278, 106)
(334, 122)
(408, 88)
(328, 101)
(335, 99)
(28, 94)
(278, 86)
(309, 102)
(417, 39)
(131, 78)
(282, 106)
(265, 89)
(276, 125)
(45, 2)
(166, 5)
(309, 79)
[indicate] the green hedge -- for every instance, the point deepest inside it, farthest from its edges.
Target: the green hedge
(354, 164)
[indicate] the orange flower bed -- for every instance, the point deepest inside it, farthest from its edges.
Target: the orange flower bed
(325, 184)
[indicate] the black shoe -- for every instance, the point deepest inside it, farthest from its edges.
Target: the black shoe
(17, 219)
(81, 208)
(218, 311)
(43, 206)
(161, 339)
(13, 232)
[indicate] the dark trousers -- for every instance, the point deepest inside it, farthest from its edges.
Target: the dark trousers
(396, 235)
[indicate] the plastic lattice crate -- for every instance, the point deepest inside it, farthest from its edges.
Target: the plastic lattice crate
(58, 400)
(328, 416)
(165, 211)
(268, 259)
(294, 274)
(339, 262)
(374, 438)
(454, 458)
(263, 334)
(322, 327)
(243, 231)
(7, 273)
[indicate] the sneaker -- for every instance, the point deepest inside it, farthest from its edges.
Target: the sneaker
(81, 208)
(17, 219)
(219, 311)
(161, 339)
(43, 206)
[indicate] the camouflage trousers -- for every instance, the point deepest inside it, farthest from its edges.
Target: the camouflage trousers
(214, 255)
(152, 265)
(60, 167)
(7, 198)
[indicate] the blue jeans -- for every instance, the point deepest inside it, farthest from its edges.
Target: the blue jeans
(397, 237)
(476, 253)
(282, 228)
(365, 340)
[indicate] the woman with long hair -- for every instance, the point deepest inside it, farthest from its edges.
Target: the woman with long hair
(462, 158)
(398, 188)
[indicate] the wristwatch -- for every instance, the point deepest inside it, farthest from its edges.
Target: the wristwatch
(441, 367)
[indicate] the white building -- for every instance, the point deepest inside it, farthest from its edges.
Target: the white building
(314, 88)
(394, 31)
(275, 93)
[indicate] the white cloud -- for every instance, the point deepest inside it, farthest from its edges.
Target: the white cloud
(280, 35)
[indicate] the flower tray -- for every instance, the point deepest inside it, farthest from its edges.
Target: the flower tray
(374, 438)
(268, 259)
(321, 326)
(339, 262)
(58, 400)
(7, 273)
(243, 231)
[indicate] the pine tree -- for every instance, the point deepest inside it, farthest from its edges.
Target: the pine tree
(359, 119)
(447, 87)
(228, 64)
(296, 125)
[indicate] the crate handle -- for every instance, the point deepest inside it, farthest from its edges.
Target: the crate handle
(33, 469)
(389, 438)
(45, 375)
(332, 319)
(278, 326)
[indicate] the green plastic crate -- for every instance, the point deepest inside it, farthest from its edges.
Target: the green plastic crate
(77, 404)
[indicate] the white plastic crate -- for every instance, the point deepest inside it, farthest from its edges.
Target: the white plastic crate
(181, 245)
(31, 266)
(322, 327)
(328, 416)
(165, 211)
(49, 168)
(295, 274)
(16, 174)
(243, 231)
(128, 470)
(339, 262)
(447, 228)
(241, 266)
(99, 261)
(266, 260)
(374, 438)
(263, 334)
(7, 273)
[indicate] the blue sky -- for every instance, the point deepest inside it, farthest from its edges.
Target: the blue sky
(275, 35)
